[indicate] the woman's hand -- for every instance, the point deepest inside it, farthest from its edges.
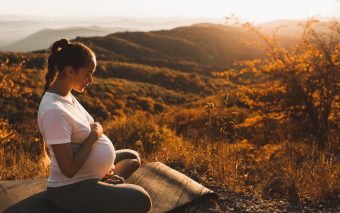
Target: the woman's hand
(108, 174)
(115, 179)
(109, 177)
(97, 129)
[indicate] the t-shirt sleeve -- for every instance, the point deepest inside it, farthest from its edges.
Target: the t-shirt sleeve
(56, 127)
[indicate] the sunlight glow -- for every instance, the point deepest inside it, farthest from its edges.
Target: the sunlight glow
(251, 10)
(264, 10)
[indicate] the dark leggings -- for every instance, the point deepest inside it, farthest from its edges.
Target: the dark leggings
(93, 195)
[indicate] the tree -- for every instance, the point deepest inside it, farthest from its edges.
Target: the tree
(14, 94)
(301, 83)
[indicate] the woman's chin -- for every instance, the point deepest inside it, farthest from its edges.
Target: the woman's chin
(80, 89)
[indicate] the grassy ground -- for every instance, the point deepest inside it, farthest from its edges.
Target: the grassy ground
(282, 176)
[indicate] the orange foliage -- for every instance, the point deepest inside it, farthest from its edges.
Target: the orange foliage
(302, 83)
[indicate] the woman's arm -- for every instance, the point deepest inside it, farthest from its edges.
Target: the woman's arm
(70, 163)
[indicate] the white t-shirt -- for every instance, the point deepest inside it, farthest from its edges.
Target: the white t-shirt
(64, 120)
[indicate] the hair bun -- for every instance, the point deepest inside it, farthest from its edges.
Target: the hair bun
(60, 44)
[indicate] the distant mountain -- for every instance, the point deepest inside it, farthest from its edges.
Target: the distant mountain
(12, 31)
(44, 38)
(198, 48)
(14, 28)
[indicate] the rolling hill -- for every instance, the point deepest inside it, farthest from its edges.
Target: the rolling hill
(151, 70)
(14, 28)
(46, 37)
(199, 48)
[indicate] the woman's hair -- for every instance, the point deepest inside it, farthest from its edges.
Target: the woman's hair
(65, 53)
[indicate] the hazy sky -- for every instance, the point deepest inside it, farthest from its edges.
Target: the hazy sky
(252, 10)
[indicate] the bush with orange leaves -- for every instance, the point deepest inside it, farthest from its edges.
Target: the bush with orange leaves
(21, 151)
(300, 85)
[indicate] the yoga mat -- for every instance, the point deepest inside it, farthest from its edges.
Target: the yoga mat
(168, 189)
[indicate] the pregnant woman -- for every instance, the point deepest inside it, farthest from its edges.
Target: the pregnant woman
(87, 173)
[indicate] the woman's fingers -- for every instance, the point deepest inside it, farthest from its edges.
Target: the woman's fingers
(115, 179)
(119, 177)
(108, 174)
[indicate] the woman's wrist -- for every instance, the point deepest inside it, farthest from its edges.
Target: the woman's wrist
(94, 135)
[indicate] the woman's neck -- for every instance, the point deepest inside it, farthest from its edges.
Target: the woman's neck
(59, 87)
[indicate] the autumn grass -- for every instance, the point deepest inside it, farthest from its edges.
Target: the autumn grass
(245, 167)
(271, 171)
(19, 156)
(299, 169)
(21, 166)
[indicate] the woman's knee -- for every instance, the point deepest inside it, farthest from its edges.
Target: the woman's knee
(127, 154)
(135, 163)
(145, 202)
(142, 199)
(135, 155)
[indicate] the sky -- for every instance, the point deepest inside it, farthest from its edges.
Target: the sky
(249, 10)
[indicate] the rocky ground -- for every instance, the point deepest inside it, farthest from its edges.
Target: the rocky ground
(228, 200)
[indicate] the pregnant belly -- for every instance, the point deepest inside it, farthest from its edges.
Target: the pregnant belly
(101, 158)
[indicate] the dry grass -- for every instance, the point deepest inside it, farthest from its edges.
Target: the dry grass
(281, 170)
(243, 167)
(21, 166)
(298, 167)
(19, 156)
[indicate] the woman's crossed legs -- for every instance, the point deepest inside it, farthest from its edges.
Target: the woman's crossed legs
(96, 196)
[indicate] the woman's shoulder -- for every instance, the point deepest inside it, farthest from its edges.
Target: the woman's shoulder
(48, 103)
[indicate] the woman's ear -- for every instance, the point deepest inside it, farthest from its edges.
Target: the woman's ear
(68, 71)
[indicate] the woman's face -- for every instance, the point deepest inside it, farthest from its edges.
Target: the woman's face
(84, 77)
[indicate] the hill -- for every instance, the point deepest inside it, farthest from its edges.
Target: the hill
(169, 67)
(197, 48)
(14, 28)
(44, 38)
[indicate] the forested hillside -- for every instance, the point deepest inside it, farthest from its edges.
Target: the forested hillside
(160, 68)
